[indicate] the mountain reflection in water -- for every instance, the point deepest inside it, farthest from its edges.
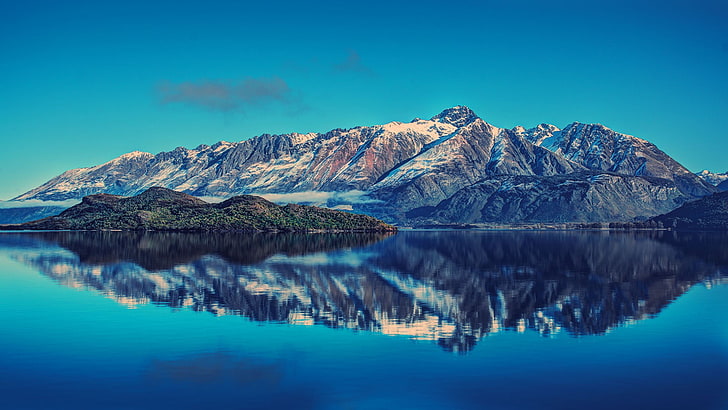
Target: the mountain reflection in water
(449, 287)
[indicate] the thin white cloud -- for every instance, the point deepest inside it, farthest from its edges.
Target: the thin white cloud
(34, 202)
(338, 199)
(211, 199)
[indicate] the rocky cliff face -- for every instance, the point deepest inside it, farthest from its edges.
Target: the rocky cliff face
(399, 170)
(601, 149)
(582, 196)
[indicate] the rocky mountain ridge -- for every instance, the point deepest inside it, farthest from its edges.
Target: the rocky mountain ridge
(410, 172)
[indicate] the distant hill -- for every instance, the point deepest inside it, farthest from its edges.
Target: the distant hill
(723, 186)
(28, 213)
(709, 213)
(163, 209)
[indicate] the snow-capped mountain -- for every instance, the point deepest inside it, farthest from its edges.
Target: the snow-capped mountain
(713, 178)
(598, 148)
(402, 172)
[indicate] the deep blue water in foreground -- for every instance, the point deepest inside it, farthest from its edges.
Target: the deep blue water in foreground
(420, 320)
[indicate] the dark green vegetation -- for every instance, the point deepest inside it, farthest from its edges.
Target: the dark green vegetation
(162, 209)
(706, 214)
(157, 250)
(709, 213)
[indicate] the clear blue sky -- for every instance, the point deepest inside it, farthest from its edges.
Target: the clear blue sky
(84, 82)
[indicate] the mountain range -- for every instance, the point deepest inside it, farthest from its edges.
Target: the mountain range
(453, 168)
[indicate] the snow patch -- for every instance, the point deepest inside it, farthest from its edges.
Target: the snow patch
(498, 150)
(510, 186)
(297, 138)
(432, 129)
(599, 178)
(551, 142)
(135, 155)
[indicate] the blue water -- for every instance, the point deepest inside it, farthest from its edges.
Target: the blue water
(462, 320)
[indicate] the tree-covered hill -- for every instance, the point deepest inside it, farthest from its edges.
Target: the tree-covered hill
(163, 209)
(709, 213)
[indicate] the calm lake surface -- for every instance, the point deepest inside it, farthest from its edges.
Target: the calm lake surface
(415, 320)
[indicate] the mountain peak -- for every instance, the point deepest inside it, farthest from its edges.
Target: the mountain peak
(713, 178)
(137, 154)
(458, 116)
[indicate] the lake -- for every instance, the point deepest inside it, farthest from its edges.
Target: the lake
(413, 320)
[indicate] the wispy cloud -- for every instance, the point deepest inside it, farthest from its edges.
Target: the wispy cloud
(228, 95)
(212, 199)
(335, 200)
(35, 202)
(322, 198)
(354, 64)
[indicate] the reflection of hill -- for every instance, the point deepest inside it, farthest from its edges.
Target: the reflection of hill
(450, 287)
(163, 250)
(712, 247)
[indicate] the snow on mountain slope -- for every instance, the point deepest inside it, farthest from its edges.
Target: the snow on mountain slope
(337, 160)
(713, 178)
(444, 152)
(79, 182)
(543, 135)
(475, 152)
(599, 148)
